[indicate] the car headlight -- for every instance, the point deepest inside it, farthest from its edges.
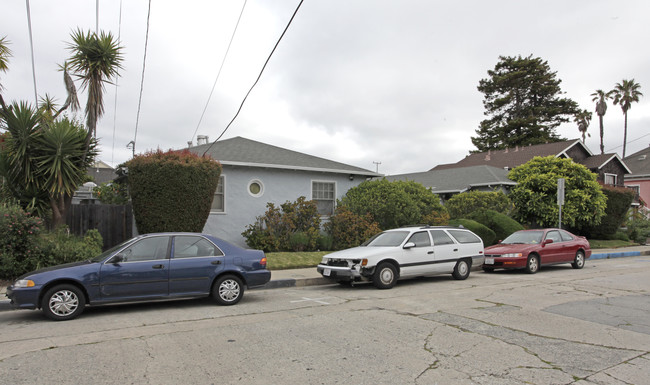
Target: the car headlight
(24, 283)
(511, 255)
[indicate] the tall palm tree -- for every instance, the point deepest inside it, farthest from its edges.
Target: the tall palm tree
(600, 97)
(96, 59)
(583, 118)
(625, 94)
(5, 54)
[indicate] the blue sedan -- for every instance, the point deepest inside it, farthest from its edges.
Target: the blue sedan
(149, 267)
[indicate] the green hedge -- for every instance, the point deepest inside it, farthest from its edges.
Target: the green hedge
(501, 224)
(464, 204)
(619, 200)
(172, 191)
(488, 236)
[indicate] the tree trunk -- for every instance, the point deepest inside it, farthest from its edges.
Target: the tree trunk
(60, 207)
(602, 147)
(625, 135)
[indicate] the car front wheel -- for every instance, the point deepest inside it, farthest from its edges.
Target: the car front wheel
(532, 265)
(63, 302)
(228, 290)
(579, 261)
(384, 276)
(461, 270)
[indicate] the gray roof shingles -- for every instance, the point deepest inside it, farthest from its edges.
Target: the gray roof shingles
(458, 179)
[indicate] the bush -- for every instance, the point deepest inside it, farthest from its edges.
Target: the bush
(501, 224)
(638, 229)
(19, 250)
(461, 205)
(325, 242)
(112, 193)
(172, 191)
(392, 204)
(275, 229)
(619, 200)
(59, 247)
(348, 229)
(488, 236)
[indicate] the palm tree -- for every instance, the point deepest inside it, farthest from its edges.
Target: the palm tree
(600, 97)
(5, 53)
(625, 94)
(583, 118)
(96, 60)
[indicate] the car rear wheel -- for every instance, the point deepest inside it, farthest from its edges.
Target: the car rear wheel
(384, 276)
(461, 270)
(579, 261)
(63, 302)
(532, 265)
(228, 290)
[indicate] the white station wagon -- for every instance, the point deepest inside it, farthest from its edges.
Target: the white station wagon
(406, 253)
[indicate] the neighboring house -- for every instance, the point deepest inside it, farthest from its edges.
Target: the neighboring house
(639, 177)
(100, 173)
(450, 181)
(255, 173)
(610, 168)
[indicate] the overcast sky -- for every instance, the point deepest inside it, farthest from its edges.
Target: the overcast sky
(352, 81)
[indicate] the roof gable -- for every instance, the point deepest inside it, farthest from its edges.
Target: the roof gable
(639, 162)
(513, 157)
(245, 152)
(458, 179)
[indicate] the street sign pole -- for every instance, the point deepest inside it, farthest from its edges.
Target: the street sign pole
(560, 199)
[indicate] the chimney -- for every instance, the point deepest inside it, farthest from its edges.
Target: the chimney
(201, 139)
(189, 143)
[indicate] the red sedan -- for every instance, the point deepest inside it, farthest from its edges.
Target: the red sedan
(530, 249)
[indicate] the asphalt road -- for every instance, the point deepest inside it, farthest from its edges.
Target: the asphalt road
(560, 326)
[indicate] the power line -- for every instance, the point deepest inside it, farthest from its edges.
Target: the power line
(219, 72)
(628, 142)
(119, 36)
(144, 61)
(258, 77)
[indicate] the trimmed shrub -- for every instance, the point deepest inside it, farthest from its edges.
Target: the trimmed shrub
(274, 230)
(488, 236)
(112, 193)
(639, 229)
(325, 242)
(19, 250)
(501, 224)
(392, 204)
(172, 191)
(619, 200)
(461, 205)
(348, 229)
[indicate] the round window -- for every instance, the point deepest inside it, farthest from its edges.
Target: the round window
(255, 188)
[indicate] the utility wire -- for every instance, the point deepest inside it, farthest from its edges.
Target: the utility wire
(628, 142)
(258, 77)
(219, 72)
(144, 61)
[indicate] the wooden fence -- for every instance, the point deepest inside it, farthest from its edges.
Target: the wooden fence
(114, 222)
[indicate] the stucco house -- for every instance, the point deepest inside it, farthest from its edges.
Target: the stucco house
(255, 173)
(639, 178)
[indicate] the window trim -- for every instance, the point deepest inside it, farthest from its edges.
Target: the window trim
(259, 182)
(222, 180)
(333, 182)
(615, 176)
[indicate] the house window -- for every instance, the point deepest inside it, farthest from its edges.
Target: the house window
(256, 188)
(323, 194)
(610, 179)
(219, 200)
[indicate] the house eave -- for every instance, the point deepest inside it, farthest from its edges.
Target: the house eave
(301, 168)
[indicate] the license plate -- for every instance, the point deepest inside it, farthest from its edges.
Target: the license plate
(327, 272)
(489, 261)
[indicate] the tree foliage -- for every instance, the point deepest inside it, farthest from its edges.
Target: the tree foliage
(172, 191)
(619, 200)
(348, 229)
(392, 204)
(601, 97)
(522, 99)
(535, 195)
(463, 204)
(626, 93)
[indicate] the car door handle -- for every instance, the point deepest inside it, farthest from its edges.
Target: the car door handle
(455, 249)
(216, 262)
(429, 252)
(158, 266)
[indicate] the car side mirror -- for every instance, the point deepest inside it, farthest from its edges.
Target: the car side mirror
(409, 245)
(547, 241)
(116, 259)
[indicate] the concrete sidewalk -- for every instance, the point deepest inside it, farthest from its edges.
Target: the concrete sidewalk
(310, 277)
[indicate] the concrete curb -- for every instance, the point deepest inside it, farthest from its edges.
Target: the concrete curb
(296, 282)
(618, 254)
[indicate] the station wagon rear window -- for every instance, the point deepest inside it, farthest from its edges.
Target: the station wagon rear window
(464, 236)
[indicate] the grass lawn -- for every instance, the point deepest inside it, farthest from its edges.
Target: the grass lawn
(610, 244)
(297, 260)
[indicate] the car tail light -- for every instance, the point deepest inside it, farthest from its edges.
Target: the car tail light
(263, 261)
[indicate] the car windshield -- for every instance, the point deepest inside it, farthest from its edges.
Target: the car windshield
(524, 237)
(387, 239)
(108, 252)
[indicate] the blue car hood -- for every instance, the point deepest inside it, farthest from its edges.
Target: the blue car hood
(56, 267)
